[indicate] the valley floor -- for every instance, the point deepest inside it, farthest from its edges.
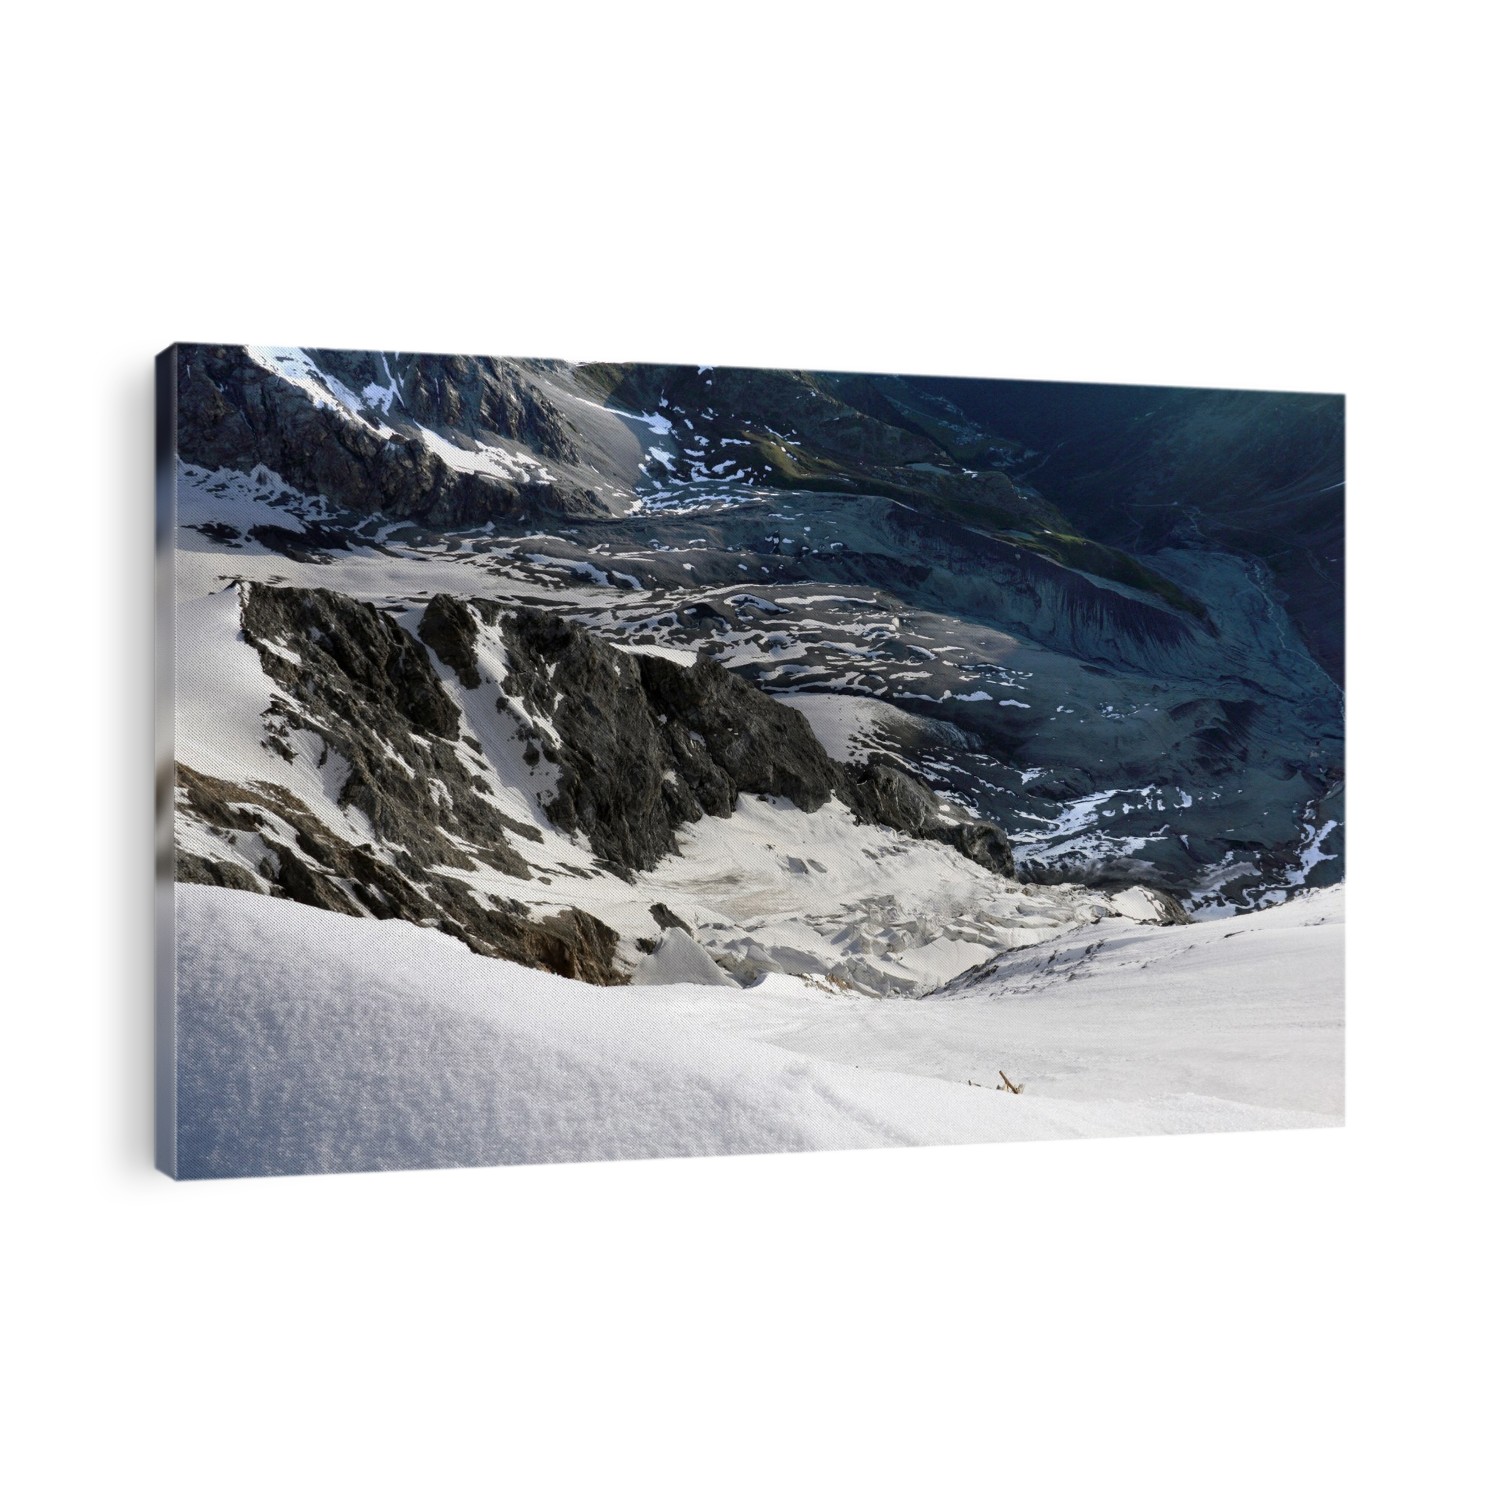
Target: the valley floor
(309, 1041)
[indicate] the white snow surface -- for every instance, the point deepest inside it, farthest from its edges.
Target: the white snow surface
(849, 726)
(312, 1042)
(677, 959)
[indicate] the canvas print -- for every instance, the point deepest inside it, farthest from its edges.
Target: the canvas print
(566, 762)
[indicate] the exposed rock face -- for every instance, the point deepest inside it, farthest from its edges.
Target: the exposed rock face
(476, 394)
(1174, 913)
(646, 745)
(880, 792)
(451, 630)
(885, 794)
(665, 917)
(233, 413)
(197, 869)
(729, 737)
(369, 691)
(619, 783)
(304, 861)
(641, 746)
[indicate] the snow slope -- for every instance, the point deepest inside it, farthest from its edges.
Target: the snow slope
(309, 1041)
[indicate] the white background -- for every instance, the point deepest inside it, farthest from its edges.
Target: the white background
(1290, 196)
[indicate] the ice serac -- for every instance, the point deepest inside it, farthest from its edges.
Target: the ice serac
(677, 959)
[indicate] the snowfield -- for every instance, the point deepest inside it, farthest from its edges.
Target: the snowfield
(313, 1042)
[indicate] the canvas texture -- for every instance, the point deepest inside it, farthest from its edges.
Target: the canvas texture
(564, 762)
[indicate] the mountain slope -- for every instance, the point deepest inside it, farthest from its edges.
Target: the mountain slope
(1146, 468)
(309, 1042)
(508, 778)
(857, 547)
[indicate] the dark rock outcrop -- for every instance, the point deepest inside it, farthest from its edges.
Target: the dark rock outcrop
(368, 690)
(196, 869)
(641, 745)
(619, 783)
(318, 868)
(1174, 913)
(451, 630)
(233, 413)
(729, 737)
(645, 745)
(880, 792)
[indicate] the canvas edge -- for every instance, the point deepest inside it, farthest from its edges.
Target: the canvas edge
(165, 930)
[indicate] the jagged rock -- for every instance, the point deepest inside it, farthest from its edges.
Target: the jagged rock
(327, 871)
(450, 629)
(984, 843)
(234, 414)
(756, 743)
(1174, 913)
(617, 779)
(642, 745)
(645, 744)
(474, 394)
(367, 688)
(664, 916)
(883, 793)
(195, 869)
(880, 792)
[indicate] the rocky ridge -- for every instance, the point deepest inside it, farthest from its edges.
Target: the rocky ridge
(368, 450)
(638, 747)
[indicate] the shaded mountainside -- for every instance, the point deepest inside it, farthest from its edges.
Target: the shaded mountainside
(1146, 468)
(842, 434)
